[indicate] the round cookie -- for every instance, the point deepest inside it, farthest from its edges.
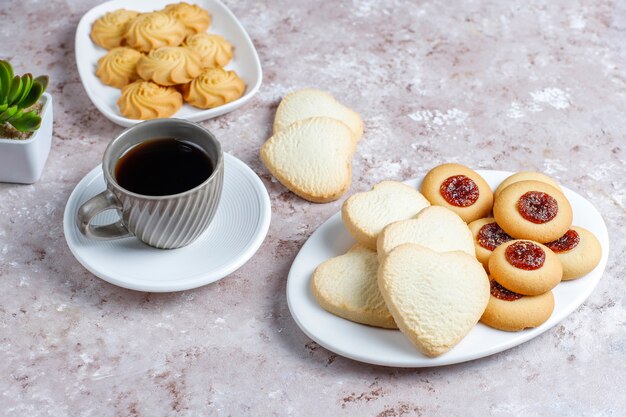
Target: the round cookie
(525, 176)
(512, 312)
(459, 189)
(525, 267)
(579, 252)
(487, 236)
(213, 87)
(118, 67)
(533, 210)
(146, 100)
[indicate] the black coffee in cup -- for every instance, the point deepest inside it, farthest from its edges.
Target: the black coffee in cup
(163, 166)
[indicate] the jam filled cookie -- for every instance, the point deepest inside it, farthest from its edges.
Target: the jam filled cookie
(526, 176)
(214, 87)
(108, 31)
(487, 236)
(533, 210)
(118, 67)
(146, 100)
(194, 17)
(153, 30)
(459, 189)
(512, 312)
(525, 267)
(214, 50)
(170, 65)
(579, 252)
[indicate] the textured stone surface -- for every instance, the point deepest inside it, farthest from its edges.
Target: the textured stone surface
(504, 85)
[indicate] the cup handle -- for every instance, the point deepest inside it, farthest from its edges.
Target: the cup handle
(106, 200)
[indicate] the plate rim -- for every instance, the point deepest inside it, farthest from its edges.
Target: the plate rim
(423, 361)
(199, 114)
(194, 281)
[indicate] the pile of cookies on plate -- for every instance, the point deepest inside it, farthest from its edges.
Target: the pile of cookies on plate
(314, 139)
(160, 59)
(422, 259)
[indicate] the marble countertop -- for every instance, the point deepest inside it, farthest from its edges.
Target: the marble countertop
(513, 85)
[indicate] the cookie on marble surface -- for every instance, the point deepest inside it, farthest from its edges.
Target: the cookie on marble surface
(309, 102)
(169, 65)
(526, 176)
(312, 158)
(459, 189)
(533, 210)
(146, 100)
(579, 252)
(366, 214)
(213, 87)
(435, 298)
(108, 31)
(525, 267)
(346, 286)
(195, 18)
(153, 30)
(513, 312)
(434, 227)
(487, 236)
(118, 67)
(214, 50)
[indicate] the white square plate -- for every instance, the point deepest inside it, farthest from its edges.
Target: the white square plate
(245, 60)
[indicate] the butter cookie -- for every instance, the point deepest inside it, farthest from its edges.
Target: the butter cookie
(507, 310)
(118, 67)
(525, 267)
(459, 189)
(533, 210)
(108, 31)
(153, 30)
(213, 87)
(169, 65)
(146, 100)
(579, 252)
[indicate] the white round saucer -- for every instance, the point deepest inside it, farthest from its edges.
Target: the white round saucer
(234, 235)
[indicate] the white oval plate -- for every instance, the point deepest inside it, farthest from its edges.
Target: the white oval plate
(390, 347)
(238, 229)
(245, 60)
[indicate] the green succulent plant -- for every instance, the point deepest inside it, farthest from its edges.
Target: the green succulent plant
(17, 94)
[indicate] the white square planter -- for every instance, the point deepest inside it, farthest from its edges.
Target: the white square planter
(22, 161)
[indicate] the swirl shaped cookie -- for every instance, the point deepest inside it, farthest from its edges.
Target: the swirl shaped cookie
(153, 30)
(118, 67)
(146, 100)
(109, 30)
(214, 50)
(194, 17)
(214, 87)
(169, 65)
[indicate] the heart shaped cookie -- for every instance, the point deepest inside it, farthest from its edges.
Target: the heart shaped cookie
(347, 287)
(365, 214)
(308, 102)
(435, 227)
(434, 298)
(312, 158)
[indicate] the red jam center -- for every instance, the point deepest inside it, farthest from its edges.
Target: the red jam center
(502, 293)
(490, 236)
(565, 243)
(525, 255)
(459, 190)
(537, 207)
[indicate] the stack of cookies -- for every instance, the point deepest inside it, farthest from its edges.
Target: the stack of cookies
(413, 268)
(311, 149)
(162, 58)
(422, 259)
(528, 247)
